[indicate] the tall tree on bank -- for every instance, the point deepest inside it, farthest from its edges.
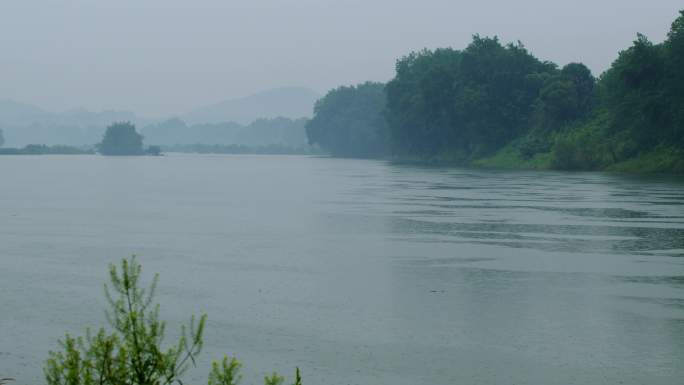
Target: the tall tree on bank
(121, 139)
(640, 109)
(674, 49)
(565, 97)
(349, 121)
(463, 103)
(2, 139)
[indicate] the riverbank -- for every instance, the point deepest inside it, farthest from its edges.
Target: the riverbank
(661, 160)
(41, 149)
(492, 104)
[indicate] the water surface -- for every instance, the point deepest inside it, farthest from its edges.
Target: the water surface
(358, 272)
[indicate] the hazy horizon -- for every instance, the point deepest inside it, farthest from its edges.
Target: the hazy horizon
(161, 58)
(183, 115)
(343, 191)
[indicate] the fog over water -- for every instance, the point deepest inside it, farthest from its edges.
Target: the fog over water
(357, 271)
(167, 57)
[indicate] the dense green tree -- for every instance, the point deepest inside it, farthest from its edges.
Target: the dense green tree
(349, 121)
(420, 101)
(121, 139)
(506, 80)
(584, 83)
(463, 103)
(567, 96)
(639, 111)
(674, 70)
(640, 97)
(632, 92)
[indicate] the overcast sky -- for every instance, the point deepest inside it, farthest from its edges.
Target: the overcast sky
(161, 57)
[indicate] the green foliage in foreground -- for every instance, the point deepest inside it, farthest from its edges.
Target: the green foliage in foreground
(132, 352)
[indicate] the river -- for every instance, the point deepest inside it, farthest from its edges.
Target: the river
(357, 271)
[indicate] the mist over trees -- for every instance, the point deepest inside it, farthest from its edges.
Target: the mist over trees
(25, 124)
(276, 115)
(498, 105)
(287, 102)
(349, 121)
(261, 132)
(2, 139)
(176, 131)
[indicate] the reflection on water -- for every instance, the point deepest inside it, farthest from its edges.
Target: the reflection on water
(360, 272)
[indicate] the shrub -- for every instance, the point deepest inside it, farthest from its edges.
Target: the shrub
(132, 353)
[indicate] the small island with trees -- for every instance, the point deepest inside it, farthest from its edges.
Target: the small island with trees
(121, 138)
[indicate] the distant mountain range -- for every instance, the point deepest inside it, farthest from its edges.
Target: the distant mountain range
(22, 114)
(24, 123)
(287, 102)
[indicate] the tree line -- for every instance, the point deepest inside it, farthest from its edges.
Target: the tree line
(263, 136)
(497, 104)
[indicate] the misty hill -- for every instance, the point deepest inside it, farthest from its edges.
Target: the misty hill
(24, 124)
(16, 113)
(288, 102)
(273, 117)
(261, 132)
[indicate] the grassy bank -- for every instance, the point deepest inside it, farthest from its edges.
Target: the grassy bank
(510, 157)
(586, 150)
(661, 160)
(40, 149)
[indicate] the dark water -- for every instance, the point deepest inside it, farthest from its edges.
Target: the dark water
(358, 272)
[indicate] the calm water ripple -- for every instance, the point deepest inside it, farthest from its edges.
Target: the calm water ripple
(359, 272)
